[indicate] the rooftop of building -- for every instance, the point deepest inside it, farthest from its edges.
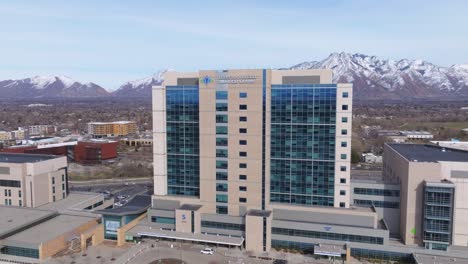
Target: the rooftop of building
(429, 153)
(114, 122)
(45, 231)
(14, 218)
(138, 205)
(75, 201)
(190, 207)
(462, 145)
(414, 132)
(24, 158)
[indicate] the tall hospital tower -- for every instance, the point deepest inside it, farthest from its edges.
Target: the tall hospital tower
(240, 155)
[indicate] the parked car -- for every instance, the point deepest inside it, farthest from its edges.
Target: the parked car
(207, 251)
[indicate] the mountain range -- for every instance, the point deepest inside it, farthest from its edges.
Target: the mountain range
(373, 78)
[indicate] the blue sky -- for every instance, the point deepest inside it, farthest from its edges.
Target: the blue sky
(110, 42)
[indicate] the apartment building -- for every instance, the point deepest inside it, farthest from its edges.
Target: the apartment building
(112, 129)
(32, 180)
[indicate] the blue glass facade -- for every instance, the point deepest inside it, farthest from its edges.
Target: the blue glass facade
(303, 132)
(183, 159)
(438, 214)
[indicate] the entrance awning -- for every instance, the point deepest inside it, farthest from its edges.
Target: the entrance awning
(148, 231)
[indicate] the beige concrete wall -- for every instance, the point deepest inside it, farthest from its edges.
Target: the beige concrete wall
(60, 243)
(339, 150)
(159, 141)
(460, 215)
(183, 224)
(254, 233)
(123, 229)
(325, 75)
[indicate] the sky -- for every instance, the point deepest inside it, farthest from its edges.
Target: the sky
(111, 42)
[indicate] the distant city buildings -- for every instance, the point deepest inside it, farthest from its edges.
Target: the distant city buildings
(41, 130)
(111, 129)
(85, 152)
(371, 158)
(32, 180)
(404, 136)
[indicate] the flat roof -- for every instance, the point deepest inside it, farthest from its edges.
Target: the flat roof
(24, 158)
(260, 213)
(47, 230)
(74, 201)
(137, 205)
(190, 207)
(429, 153)
(13, 218)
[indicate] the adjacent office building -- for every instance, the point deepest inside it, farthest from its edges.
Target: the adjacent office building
(32, 180)
(434, 185)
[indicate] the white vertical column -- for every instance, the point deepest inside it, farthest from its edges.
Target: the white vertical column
(159, 140)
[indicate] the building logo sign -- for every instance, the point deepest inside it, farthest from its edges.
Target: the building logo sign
(237, 79)
(229, 79)
(206, 80)
(327, 228)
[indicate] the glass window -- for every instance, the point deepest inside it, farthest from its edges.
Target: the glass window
(242, 107)
(222, 142)
(242, 165)
(343, 180)
(243, 130)
(243, 177)
(243, 154)
(342, 192)
(9, 193)
(163, 220)
(221, 225)
(345, 94)
(221, 187)
(53, 180)
(221, 164)
(242, 95)
(221, 209)
(243, 119)
(344, 144)
(344, 119)
(221, 176)
(221, 95)
(63, 177)
(344, 132)
(221, 198)
(342, 205)
(242, 142)
(53, 189)
(242, 200)
(343, 156)
(342, 168)
(221, 106)
(19, 194)
(344, 107)
(20, 203)
(243, 188)
(221, 153)
(221, 130)
(221, 119)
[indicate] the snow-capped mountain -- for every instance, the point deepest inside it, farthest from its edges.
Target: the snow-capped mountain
(376, 78)
(139, 88)
(49, 86)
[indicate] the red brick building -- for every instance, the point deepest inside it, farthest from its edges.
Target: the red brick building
(87, 152)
